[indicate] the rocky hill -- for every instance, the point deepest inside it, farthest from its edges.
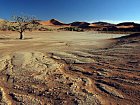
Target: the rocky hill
(96, 26)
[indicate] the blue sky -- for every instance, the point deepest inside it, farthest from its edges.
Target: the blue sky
(74, 10)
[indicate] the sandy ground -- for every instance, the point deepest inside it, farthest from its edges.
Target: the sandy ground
(69, 68)
(50, 41)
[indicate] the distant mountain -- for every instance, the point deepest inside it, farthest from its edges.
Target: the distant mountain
(96, 26)
(101, 24)
(127, 24)
(51, 22)
(54, 22)
(80, 24)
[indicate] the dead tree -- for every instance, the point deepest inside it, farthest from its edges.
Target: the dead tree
(21, 24)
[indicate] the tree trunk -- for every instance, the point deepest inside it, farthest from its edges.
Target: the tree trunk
(21, 35)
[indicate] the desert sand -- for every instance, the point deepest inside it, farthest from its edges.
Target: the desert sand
(69, 68)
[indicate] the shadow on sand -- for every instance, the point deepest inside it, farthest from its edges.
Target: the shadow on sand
(14, 38)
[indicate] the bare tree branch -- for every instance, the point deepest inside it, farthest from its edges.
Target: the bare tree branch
(22, 23)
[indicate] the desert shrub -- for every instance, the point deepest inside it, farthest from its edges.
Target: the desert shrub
(11, 28)
(45, 29)
(71, 29)
(3, 25)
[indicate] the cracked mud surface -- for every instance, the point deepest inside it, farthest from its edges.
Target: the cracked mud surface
(72, 76)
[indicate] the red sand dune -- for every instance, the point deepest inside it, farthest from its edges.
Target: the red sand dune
(51, 22)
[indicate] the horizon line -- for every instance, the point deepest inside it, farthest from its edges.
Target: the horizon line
(89, 21)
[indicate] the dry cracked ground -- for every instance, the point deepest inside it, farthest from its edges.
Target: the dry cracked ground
(68, 68)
